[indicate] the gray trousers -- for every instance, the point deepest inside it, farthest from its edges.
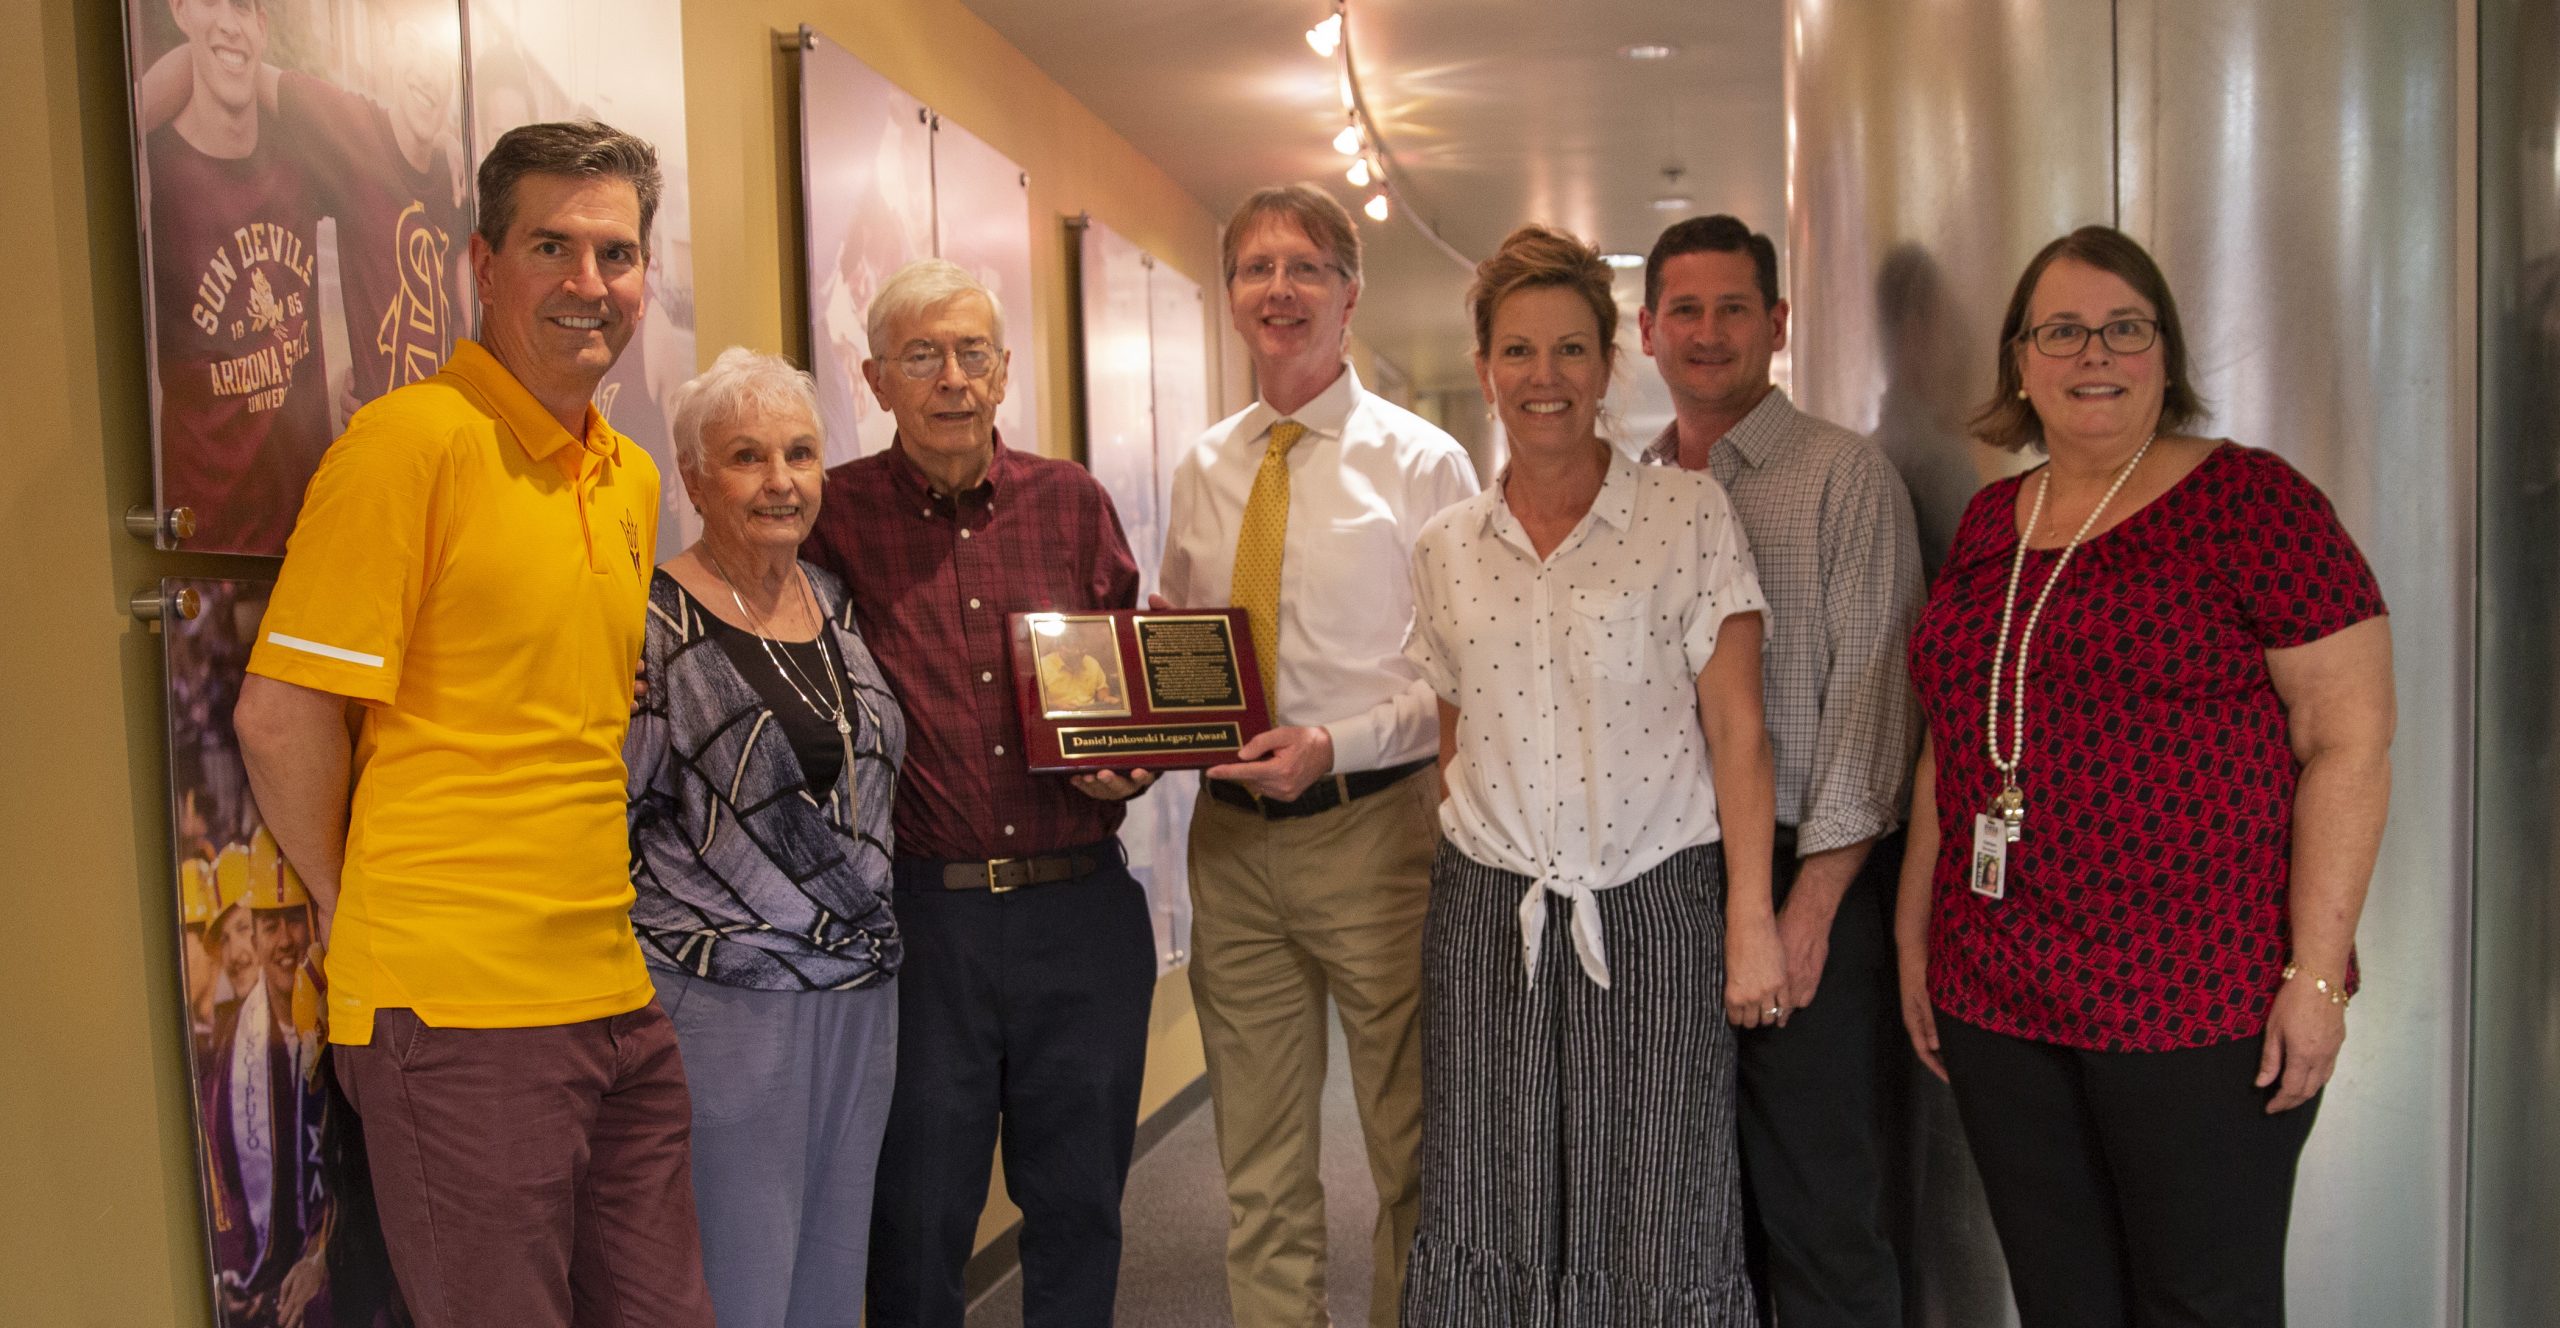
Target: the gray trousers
(790, 1094)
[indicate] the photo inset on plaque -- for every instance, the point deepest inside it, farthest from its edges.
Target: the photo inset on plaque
(1079, 664)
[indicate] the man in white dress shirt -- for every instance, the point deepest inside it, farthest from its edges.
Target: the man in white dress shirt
(1311, 855)
(1839, 560)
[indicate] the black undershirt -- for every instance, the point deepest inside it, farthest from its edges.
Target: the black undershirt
(812, 735)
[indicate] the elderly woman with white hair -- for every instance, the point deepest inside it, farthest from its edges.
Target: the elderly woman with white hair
(762, 763)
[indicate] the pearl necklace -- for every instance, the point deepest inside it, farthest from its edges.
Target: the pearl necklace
(2010, 805)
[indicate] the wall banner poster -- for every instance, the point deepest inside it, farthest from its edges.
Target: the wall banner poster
(982, 221)
(303, 198)
(622, 62)
(290, 1233)
(866, 190)
(1146, 398)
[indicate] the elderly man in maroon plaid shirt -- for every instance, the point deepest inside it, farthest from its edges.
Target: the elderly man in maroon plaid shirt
(1030, 954)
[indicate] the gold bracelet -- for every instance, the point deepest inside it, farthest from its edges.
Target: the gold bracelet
(2337, 995)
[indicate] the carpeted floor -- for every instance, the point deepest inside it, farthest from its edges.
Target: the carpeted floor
(1173, 1255)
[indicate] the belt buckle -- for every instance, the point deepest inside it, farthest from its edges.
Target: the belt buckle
(995, 886)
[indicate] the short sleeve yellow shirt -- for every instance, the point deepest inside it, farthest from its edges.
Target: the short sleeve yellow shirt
(1074, 687)
(477, 578)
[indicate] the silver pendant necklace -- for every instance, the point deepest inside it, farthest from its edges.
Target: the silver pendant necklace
(840, 715)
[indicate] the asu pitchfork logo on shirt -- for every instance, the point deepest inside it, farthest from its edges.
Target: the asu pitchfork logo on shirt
(414, 332)
(274, 265)
(631, 537)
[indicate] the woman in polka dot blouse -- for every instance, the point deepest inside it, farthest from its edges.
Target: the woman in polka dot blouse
(1600, 907)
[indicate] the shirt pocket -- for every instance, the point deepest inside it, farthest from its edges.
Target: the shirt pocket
(1606, 631)
(1358, 560)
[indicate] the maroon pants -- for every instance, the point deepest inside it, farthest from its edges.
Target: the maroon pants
(533, 1177)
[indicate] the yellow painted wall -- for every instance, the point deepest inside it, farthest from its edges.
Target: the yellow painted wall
(741, 106)
(100, 1226)
(100, 1222)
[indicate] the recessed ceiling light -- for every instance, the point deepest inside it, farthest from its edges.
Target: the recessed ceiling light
(1674, 203)
(1648, 51)
(1623, 261)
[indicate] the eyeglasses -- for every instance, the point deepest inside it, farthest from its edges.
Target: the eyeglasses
(2124, 336)
(1299, 271)
(926, 361)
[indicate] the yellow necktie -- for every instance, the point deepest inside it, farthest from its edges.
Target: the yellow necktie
(1255, 587)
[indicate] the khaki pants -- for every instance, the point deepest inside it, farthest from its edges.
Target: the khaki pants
(1283, 914)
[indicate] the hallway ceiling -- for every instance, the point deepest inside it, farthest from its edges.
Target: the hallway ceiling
(1495, 112)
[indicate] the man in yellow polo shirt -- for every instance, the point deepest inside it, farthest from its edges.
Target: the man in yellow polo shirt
(433, 727)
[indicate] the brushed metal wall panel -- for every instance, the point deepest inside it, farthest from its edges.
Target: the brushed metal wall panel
(2515, 1040)
(1934, 149)
(2291, 163)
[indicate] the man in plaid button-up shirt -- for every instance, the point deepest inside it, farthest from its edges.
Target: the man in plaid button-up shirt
(1022, 1007)
(1839, 559)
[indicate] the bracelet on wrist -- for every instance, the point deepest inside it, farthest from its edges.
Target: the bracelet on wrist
(2336, 992)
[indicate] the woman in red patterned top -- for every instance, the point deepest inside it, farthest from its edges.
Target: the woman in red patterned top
(2158, 684)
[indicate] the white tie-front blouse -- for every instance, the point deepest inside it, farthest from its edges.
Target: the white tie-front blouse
(1580, 762)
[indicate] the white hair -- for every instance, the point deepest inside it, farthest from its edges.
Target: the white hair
(918, 288)
(738, 386)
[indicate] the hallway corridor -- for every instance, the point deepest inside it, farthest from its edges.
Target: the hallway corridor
(1174, 1216)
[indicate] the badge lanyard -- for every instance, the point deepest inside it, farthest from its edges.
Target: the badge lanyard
(2006, 819)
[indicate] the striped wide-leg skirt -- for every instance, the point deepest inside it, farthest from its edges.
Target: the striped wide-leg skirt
(1578, 1157)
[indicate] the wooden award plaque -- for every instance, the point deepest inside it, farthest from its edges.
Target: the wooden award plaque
(1129, 689)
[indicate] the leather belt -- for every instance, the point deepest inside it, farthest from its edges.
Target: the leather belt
(1322, 796)
(1000, 875)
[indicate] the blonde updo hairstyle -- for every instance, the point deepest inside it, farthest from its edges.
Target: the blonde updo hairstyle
(1534, 256)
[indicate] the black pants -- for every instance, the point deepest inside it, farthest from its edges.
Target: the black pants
(1023, 1013)
(2130, 1189)
(1812, 1160)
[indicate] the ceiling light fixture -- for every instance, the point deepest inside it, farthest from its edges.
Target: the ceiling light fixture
(1622, 262)
(1671, 199)
(1630, 51)
(1372, 167)
(1325, 38)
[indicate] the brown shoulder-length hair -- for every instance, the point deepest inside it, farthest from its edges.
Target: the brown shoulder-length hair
(1537, 255)
(2008, 420)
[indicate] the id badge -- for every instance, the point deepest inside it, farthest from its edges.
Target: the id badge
(1989, 875)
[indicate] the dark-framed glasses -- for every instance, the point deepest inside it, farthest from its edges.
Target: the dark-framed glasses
(2122, 336)
(1301, 272)
(926, 361)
